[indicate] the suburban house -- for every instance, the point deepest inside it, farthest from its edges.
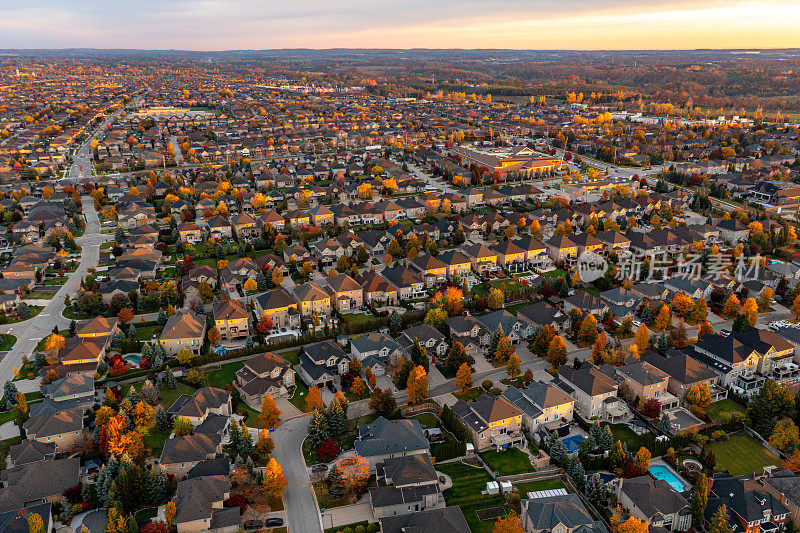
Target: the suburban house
(231, 318)
(312, 299)
(346, 292)
(374, 350)
(199, 504)
(751, 509)
(494, 422)
(404, 485)
(205, 402)
(428, 336)
(280, 306)
(684, 372)
(595, 393)
(385, 439)
(450, 519)
(544, 406)
(563, 513)
(265, 374)
(655, 501)
(321, 364)
(64, 428)
(185, 330)
(181, 454)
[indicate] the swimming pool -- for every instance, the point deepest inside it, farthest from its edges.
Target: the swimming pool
(134, 359)
(573, 442)
(662, 472)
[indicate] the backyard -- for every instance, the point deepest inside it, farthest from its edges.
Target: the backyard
(508, 462)
(742, 455)
(724, 406)
(468, 483)
(533, 486)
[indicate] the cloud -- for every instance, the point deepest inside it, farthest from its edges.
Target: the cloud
(537, 24)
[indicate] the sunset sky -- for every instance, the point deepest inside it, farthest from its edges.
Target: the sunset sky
(519, 24)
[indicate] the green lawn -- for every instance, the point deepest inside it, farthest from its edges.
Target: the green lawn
(743, 455)
(155, 441)
(357, 318)
(7, 342)
(723, 406)
(298, 398)
(7, 416)
(533, 486)
(508, 462)
(469, 395)
(224, 376)
(59, 280)
(557, 273)
(169, 396)
(144, 333)
(468, 482)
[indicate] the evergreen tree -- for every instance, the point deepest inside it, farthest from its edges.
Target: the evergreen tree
(234, 435)
(163, 422)
(10, 394)
(595, 433)
(663, 344)
(699, 500)
(156, 485)
(162, 318)
(395, 322)
(261, 282)
(172, 383)
(245, 447)
(664, 425)
(558, 452)
(318, 429)
(337, 420)
(575, 470)
(496, 336)
(606, 440)
(132, 332)
(595, 489)
(336, 482)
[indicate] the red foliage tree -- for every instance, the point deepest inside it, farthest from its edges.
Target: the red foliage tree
(651, 408)
(329, 449)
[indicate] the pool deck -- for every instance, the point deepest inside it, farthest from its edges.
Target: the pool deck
(664, 464)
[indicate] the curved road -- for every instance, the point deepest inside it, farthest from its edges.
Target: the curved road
(29, 332)
(302, 513)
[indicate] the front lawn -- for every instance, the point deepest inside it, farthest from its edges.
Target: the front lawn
(7, 342)
(724, 406)
(468, 483)
(508, 462)
(743, 455)
(298, 398)
(155, 440)
(469, 394)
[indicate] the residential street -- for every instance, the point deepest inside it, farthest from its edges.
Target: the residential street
(302, 513)
(30, 332)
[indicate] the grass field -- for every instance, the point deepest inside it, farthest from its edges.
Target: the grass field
(468, 483)
(723, 406)
(224, 376)
(7, 342)
(532, 486)
(508, 462)
(742, 455)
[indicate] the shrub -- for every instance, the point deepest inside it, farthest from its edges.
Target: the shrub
(487, 384)
(718, 434)
(237, 500)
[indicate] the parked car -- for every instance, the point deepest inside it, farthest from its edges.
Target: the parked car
(273, 522)
(253, 524)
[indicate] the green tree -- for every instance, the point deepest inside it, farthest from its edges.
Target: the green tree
(772, 402)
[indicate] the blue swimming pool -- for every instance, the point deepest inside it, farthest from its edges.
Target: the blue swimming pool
(134, 359)
(573, 442)
(662, 472)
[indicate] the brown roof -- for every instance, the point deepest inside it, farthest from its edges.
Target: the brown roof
(96, 325)
(229, 310)
(184, 325)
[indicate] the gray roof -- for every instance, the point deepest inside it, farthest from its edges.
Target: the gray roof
(385, 437)
(567, 509)
(37, 481)
(195, 497)
(449, 519)
(189, 448)
(653, 496)
(31, 451)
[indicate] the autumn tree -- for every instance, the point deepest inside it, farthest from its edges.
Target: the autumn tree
(314, 399)
(54, 343)
(750, 311)
(181, 426)
(273, 482)
(353, 471)
(633, 525)
(588, 330)
(508, 524)
(464, 377)
(214, 336)
(785, 436)
(250, 285)
(705, 329)
(765, 299)
(642, 459)
(699, 500)
(264, 445)
(264, 324)
(35, 524)
(513, 366)
(720, 521)
(495, 299)
(504, 350)
(642, 338)
(417, 385)
(270, 415)
(663, 319)
(731, 307)
(125, 315)
(557, 352)
(169, 513)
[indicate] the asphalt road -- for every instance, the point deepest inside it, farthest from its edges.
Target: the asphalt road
(302, 513)
(30, 332)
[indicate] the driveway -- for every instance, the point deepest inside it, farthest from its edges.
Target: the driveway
(30, 332)
(301, 506)
(348, 514)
